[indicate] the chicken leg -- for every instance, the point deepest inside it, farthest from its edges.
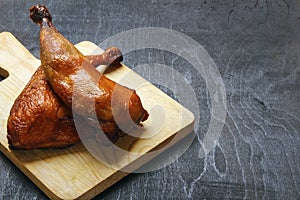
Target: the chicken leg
(71, 75)
(39, 119)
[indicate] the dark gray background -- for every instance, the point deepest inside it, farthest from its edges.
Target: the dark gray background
(254, 43)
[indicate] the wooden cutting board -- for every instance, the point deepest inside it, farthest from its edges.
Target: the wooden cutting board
(73, 173)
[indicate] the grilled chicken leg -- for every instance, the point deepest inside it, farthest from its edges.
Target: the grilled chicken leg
(39, 119)
(70, 75)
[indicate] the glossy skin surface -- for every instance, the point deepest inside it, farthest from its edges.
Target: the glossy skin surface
(71, 75)
(39, 119)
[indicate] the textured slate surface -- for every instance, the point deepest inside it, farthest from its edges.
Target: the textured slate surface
(256, 47)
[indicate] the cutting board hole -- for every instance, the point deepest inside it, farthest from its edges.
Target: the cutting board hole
(3, 74)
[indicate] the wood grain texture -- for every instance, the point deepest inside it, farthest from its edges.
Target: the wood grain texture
(73, 173)
(255, 45)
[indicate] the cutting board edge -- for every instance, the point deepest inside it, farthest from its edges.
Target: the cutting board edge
(118, 175)
(11, 156)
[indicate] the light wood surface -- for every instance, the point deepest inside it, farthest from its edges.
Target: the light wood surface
(73, 173)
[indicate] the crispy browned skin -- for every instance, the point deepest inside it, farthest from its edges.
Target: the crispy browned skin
(39, 119)
(66, 68)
